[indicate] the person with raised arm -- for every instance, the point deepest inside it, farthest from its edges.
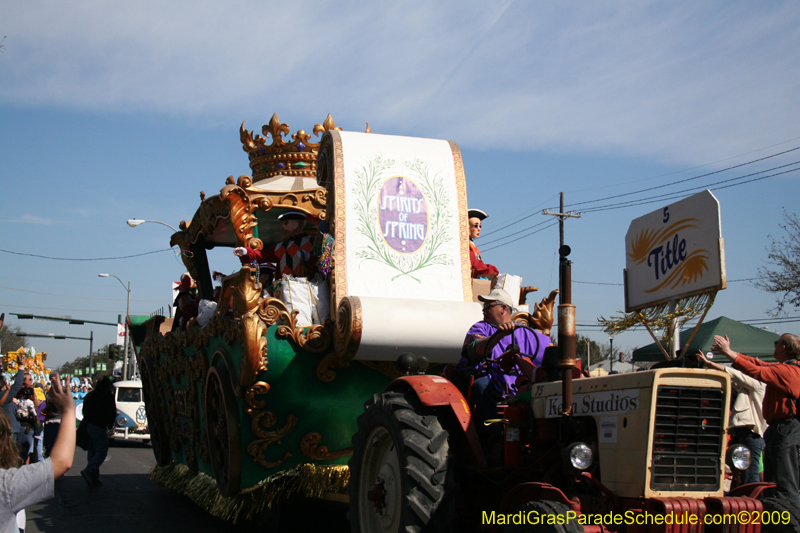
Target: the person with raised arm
(22, 486)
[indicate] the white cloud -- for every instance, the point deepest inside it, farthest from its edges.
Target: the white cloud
(35, 219)
(684, 83)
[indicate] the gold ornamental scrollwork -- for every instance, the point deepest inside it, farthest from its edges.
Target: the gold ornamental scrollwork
(309, 446)
(312, 201)
(542, 317)
(246, 297)
(319, 199)
(206, 218)
(314, 339)
(262, 420)
(346, 338)
(242, 210)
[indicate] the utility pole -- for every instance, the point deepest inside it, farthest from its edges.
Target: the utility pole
(611, 355)
(567, 341)
(561, 216)
(91, 355)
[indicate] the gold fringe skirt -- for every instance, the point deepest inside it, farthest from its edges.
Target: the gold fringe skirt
(312, 481)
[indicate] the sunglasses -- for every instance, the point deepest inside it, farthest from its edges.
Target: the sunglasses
(778, 342)
(488, 307)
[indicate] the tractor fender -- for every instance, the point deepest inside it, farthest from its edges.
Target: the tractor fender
(526, 492)
(436, 391)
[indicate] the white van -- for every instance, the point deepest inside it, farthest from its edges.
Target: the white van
(131, 421)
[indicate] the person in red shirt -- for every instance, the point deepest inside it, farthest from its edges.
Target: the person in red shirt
(479, 268)
(782, 437)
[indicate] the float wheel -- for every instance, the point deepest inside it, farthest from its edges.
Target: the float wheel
(155, 414)
(222, 430)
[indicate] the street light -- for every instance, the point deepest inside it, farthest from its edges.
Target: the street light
(127, 333)
(133, 223)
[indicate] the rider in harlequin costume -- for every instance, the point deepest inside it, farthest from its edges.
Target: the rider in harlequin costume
(292, 256)
(479, 268)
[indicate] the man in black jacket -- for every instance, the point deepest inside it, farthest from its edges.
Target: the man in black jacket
(99, 412)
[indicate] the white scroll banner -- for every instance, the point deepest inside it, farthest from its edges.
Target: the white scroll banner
(393, 326)
(404, 217)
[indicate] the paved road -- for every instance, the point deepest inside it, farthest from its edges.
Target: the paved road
(129, 503)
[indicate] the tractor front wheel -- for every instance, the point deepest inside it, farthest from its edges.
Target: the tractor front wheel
(544, 517)
(401, 475)
(779, 516)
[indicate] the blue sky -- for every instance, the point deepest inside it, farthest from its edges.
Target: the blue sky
(112, 111)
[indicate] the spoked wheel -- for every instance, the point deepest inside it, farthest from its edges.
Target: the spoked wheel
(222, 429)
(155, 415)
(400, 472)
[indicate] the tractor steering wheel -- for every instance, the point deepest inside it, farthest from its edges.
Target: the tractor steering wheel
(495, 338)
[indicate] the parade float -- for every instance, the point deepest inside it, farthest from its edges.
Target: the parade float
(258, 401)
(29, 357)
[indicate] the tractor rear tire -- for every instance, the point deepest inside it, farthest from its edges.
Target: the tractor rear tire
(401, 471)
(544, 517)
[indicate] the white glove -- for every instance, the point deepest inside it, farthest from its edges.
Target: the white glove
(240, 251)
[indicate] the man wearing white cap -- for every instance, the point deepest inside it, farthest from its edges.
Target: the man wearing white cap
(497, 352)
(479, 268)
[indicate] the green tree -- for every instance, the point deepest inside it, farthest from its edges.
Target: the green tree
(596, 353)
(781, 276)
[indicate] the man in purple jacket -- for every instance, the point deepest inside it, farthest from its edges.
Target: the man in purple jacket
(497, 351)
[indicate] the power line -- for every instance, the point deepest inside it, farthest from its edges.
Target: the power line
(689, 179)
(687, 169)
(679, 194)
(515, 233)
(79, 297)
(701, 187)
(89, 259)
(668, 196)
(526, 216)
(662, 198)
(69, 309)
(555, 223)
(622, 284)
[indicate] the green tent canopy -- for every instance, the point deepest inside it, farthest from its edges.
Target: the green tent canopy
(745, 339)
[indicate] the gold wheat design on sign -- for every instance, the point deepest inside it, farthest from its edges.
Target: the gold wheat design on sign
(645, 241)
(690, 270)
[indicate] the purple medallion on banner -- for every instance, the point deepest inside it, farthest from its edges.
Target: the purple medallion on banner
(403, 214)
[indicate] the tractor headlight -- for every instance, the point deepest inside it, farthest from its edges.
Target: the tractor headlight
(581, 456)
(740, 457)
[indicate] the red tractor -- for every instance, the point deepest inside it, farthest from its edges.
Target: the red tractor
(631, 452)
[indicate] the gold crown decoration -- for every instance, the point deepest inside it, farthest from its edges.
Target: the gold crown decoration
(295, 158)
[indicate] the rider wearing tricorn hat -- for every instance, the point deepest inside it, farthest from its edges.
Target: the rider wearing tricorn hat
(479, 268)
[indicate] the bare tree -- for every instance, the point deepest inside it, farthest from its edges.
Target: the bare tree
(10, 339)
(781, 276)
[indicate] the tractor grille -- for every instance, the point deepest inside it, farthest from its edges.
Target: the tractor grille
(687, 439)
